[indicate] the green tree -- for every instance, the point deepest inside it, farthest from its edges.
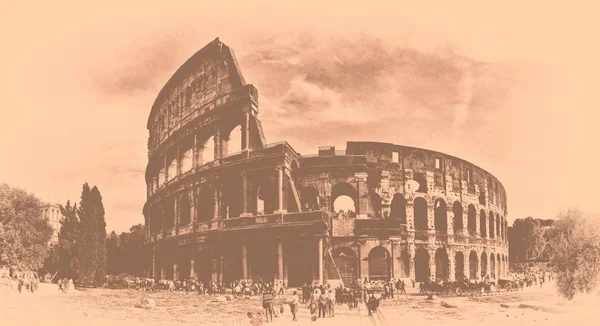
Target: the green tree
(24, 233)
(85, 250)
(575, 252)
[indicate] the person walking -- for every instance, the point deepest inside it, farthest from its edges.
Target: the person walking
(294, 301)
(331, 303)
(323, 298)
(268, 298)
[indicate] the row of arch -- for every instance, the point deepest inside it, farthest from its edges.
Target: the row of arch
(343, 198)
(379, 262)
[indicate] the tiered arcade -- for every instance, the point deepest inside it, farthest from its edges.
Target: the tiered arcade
(268, 212)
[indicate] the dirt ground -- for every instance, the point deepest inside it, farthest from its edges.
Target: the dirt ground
(87, 307)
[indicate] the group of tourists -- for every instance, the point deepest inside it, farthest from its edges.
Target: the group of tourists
(65, 284)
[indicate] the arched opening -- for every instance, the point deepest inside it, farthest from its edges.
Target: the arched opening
(482, 223)
(473, 263)
(441, 264)
(234, 141)
(300, 268)
(482, 197)
(184, 210)
(472, 220)
(457, 210)
(498, 228)
(404, 264)
(172, 169)
(346, 263)
(208, 151)
(420, 213)
(484, 263)
(162, 177)
(169, 213)
(187, 160)
(422, 272)
(343, 198)
(262, 259)
(203, 266)
(266, 198)
(183, 268)
(492, 225)
(232, 264)
(398, 208)
(376, 204)
(459, 266)
(204, 206)
(344, 204)
(231, 199)
(441, 216)
(379, 264)
(422, 181)
(309, 197)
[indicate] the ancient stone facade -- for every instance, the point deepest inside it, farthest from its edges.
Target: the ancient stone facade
(269, 212)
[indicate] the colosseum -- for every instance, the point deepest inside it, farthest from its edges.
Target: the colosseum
(222, 210)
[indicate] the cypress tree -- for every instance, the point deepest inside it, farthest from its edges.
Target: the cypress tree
(100, 236)
(86, 249)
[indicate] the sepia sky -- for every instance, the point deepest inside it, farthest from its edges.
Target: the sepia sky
(512, 88)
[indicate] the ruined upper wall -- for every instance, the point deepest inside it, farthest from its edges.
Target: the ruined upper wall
(450, 174)
(195, 87)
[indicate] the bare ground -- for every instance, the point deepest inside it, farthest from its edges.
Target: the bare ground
(87, 307)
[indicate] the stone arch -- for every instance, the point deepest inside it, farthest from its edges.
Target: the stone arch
(498, 227)
(441, 264)
(482, 197)
(309, 197)
(459, 265)
(203, 265)
(492, 225)
(231, 197)
(379, 263)
(346, 263)
(376, 205)
(441, 216)
(204, 205)
(422, 271)
(473, 264)
(457, 210)
(348, 192)
(420, 213)
(184, 210)
(207, 151)
(472, 220)
(398, 208)
(484, 264)
(482, 223)
(266, 197)
(233, 140)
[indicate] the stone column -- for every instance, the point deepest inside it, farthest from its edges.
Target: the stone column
(280, 189)
(432, 267)
(244, 261)
(175, 273)
(162, 273)
(392, 256)
(178, 161)
(216, 203)
(359, 259)
(246, 130)
(279, 260)
(411, 259)
(320, 253)
(466, 264)
(244, 193)
(176, 210)
(192, 269)
(154, 274)
(166, 168)
(362, 200)
(451, 265)
(195, 152)
(217, 139)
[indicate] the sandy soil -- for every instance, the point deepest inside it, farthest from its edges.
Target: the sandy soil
(48, 306)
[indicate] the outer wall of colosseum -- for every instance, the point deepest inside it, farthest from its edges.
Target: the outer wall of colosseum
(220, 210)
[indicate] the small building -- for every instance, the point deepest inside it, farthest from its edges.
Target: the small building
(52, 213)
